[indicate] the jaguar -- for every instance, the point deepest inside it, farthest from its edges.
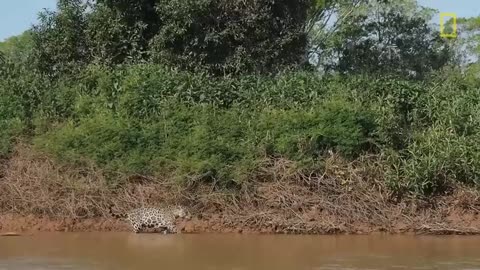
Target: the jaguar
(149, 217)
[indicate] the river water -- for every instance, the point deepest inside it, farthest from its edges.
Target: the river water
(122, 251)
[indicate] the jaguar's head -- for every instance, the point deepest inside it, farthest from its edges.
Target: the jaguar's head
(180, 212)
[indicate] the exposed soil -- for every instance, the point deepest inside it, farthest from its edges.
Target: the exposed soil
(15, 224)
(36, 194)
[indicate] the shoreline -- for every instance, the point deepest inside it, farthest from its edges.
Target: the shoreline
(16, 224)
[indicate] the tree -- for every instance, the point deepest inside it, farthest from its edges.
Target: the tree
(218, 36)
(120, 31)
(469, 43)
(382, 36)
(232, 36)
(17, 48)
(325, 18)
(59, 43)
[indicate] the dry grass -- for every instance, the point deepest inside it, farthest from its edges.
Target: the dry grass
(34, 184)
(344, 197)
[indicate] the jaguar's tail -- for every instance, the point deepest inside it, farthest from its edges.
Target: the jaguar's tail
(110, 209)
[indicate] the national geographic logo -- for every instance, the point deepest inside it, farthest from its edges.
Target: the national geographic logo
(448, 25)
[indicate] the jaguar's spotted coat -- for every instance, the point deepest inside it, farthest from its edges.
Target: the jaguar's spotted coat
(156, 218)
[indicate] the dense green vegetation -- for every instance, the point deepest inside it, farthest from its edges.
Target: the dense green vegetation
(181, 89)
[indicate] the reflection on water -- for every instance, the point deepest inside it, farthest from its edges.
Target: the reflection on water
(41, 264)
(105, 251)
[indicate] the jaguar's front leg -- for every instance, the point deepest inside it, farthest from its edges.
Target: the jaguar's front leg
(172, 228)
(135, 226)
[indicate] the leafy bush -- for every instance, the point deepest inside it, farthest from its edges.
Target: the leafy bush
(149, 119)
(435, 161)
(143, 88)
(444, 134)
(333, 125)
(192, 140)
(11, 124)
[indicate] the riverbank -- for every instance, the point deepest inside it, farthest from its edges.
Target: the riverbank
(37, 194)
(31, 224)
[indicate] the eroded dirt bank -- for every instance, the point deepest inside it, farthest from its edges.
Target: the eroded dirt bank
(31, 224)
(36, 194)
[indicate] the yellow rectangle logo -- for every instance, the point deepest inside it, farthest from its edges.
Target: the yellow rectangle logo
(452, 26)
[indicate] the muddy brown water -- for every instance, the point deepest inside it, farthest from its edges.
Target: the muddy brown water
(122, 251)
